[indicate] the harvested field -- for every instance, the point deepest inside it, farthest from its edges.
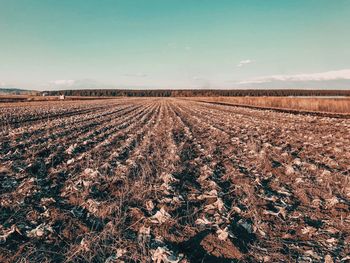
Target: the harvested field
(171, 180)
(34, 98)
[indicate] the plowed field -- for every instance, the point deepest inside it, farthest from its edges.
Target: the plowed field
(171, 180)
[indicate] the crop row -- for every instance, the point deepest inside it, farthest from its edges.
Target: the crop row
(171, 180)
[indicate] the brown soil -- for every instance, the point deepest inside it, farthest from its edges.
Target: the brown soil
(172, 180)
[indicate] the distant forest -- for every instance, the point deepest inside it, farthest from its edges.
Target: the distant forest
(15, 91)
(197, 93)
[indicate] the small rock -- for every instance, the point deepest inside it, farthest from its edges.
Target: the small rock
(160, 217)
(149, 205)
(222, 234)
(328, 259)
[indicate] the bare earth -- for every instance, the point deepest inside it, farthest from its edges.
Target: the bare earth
(170, 180)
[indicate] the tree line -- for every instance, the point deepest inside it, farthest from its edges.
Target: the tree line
(197, 93)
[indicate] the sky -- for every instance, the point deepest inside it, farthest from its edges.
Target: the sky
(49, 44)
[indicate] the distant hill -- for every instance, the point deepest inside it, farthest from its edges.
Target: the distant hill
(17, 91)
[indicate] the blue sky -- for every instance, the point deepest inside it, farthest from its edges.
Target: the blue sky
(47, 44)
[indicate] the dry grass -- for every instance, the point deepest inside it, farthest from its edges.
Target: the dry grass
(333, 105)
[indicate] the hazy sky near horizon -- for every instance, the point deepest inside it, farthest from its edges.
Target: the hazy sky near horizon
(174, 43)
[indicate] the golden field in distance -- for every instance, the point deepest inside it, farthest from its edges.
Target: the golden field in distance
(321, 104)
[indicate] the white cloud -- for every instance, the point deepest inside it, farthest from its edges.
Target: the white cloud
(172, 45)
(139, 75)
(254, 81)
(63, 82)
(179, 46)
(244, 62)
(322, 76)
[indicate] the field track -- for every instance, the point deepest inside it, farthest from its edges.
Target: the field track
(137, 180)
